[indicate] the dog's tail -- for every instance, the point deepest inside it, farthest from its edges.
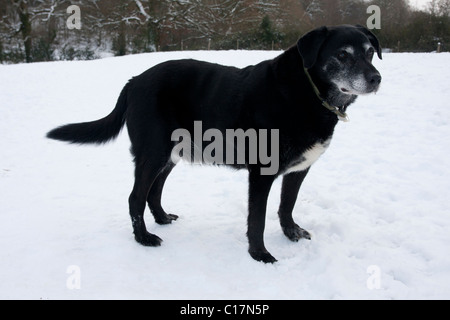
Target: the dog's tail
(99, 131)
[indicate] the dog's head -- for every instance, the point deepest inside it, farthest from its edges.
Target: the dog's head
(341, 57)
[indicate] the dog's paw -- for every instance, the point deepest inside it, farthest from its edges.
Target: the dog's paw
(295, 233)
(263, 256)
(149, 240)
(166, 219)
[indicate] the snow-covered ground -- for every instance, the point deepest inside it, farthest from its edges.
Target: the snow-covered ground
(376, 204)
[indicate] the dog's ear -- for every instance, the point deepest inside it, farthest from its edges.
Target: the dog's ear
(309, 45)
(373, 39)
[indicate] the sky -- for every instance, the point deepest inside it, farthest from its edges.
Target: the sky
(421, 4)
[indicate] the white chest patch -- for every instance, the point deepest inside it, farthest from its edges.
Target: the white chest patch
(310, 156)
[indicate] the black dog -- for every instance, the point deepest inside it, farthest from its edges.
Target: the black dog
(300, 96)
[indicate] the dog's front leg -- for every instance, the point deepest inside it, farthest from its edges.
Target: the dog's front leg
(289, 191)
(259, 188)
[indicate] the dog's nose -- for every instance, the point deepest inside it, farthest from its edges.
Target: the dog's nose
(375, 79)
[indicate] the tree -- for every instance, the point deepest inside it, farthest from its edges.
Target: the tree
(439, 8)
(395, 15)
(25, 26)
(268, 35)
(21, 17)
(35, 30)
(352, 11)
(439, 23)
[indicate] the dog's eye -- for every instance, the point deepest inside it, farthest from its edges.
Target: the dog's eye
(370, 52)
(342, 55)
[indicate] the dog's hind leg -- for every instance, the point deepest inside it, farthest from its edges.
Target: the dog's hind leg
(154, 197)
(289, 191)
(145, 174)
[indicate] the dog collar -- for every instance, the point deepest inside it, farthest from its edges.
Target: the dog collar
(342, 116)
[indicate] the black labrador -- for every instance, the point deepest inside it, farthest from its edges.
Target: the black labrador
(298, 97)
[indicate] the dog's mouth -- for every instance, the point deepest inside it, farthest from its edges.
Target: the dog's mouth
(349, 91)
(359, 92)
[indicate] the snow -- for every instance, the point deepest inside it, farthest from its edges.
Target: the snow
(376, 203)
